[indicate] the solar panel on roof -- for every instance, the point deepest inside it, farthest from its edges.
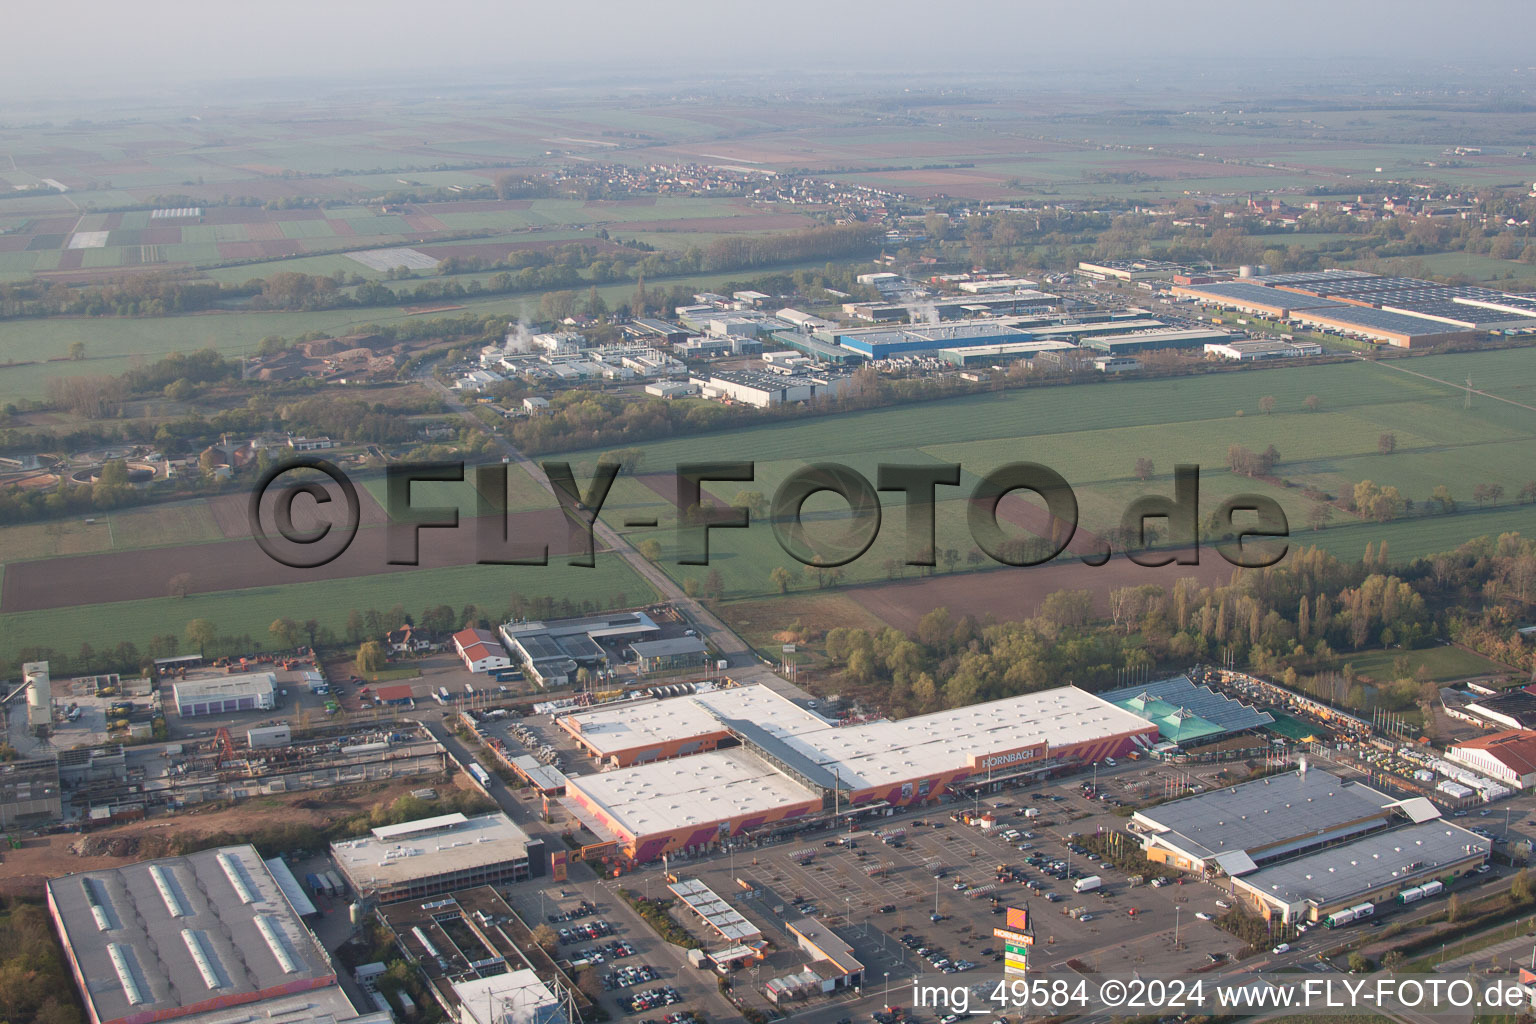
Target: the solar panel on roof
(1380, 319)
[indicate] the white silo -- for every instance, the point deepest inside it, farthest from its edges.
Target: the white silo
(1245, 271)
(39, 694)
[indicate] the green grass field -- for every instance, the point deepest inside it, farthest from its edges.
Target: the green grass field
(251, 611)
(1443, 664)
(186, 522)
(523, 493)
(1093, 434)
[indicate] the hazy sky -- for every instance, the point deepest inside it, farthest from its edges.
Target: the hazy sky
(146, 44)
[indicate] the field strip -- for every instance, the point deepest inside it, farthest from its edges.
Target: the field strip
(1456, 387)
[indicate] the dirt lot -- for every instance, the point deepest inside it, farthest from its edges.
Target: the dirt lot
(24, 871)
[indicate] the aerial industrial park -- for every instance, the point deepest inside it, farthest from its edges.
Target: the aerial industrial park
(581, 538)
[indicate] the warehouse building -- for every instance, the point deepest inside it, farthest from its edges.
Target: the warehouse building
(221, 695)
(757, 757)
(1247, 297)
(638, 732)
(689, 804)
(1235, 829)
(481, 651)
(1129, 270)
(1508, 757)
(1260, 349)
(1512, 709)
(1401, 330)
(422, 858)
(993, 355)
(191, 938)
(1155, 340)
(1400, 311)
(1367, 871)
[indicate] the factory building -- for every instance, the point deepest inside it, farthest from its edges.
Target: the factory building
(1399, 311)
(221, 695)
(931, 310)
(436, 855)
(733, 760)
(1508, 757)
(891, 342)
(763, 389)
(992, 355)
(29, 792)
(551, 652)
(190, 938)
(675, 655)
(512, 997)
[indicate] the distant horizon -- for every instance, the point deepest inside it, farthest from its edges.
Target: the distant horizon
(173, 49)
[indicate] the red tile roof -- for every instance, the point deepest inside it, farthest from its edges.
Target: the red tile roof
(1514, 748)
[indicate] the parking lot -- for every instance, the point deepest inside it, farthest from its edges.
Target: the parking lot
(884, 888)
(628, 956)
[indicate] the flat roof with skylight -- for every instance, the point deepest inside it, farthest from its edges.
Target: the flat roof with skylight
(180, 936)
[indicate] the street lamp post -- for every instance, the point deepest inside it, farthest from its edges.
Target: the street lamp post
(1176, 911)
(886, 999)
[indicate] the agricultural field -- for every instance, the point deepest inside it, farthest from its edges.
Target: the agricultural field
(189, 522)
(252, 610)
(524, 494)
(255, 242)
(1092, 435)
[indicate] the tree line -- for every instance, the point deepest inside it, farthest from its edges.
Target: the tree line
(1305, 615)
